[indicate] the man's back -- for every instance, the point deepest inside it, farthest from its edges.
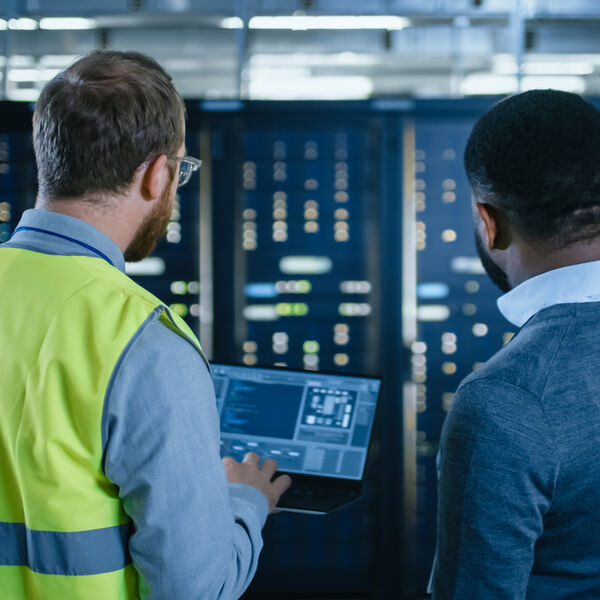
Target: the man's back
(61, 515)
(155, 453)
(520, 472)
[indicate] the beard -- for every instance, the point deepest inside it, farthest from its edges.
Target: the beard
(151, 229)
(495, 273)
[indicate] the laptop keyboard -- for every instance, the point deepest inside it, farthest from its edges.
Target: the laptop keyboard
(309, 497)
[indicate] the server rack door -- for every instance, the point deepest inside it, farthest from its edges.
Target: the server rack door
(297, 282)
(458, 324)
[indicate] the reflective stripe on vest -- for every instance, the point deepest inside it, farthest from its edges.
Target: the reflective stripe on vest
(63, 529)
(65, 553)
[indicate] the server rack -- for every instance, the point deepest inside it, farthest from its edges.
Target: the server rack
(455, 325)
(297, 202)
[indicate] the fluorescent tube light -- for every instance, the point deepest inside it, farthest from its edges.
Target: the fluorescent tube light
(488, 84)
(67, 23)
(23, 94)
(20, 75)
(23, 75)
(3, 25)
(23, 24)
(566, 83)
(21, 61)
(505, 64)
(304, 22)
(280, 73)
(557, 68)
(314, 59)
(58, 60)
(232, 23)
(311, 88)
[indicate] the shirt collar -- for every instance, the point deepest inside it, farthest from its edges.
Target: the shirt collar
(81, 234)
(567, 285)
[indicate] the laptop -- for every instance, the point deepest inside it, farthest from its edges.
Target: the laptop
(317, 426)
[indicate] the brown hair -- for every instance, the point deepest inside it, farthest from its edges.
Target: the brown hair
(96, 122)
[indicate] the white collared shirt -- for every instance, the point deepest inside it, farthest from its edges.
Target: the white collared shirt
(567, 285)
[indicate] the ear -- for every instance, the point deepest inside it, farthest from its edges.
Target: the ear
(495, 225)
(155, 178)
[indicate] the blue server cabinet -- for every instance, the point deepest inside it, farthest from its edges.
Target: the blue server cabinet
(458, 324)
(296, 205)
(297, 200)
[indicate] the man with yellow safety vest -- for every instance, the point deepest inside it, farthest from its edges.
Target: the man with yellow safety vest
(111, 483)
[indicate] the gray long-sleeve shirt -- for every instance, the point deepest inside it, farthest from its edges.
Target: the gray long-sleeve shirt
(197, 536)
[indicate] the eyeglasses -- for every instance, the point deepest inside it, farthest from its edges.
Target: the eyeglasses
(187, 165)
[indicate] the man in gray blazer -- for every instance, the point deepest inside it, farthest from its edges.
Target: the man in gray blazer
(519, 488)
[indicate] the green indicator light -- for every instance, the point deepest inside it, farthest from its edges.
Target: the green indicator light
(300, 309)
(283, 309)
(303, 286)
(311, 347)
(179, 309)
(291, 309)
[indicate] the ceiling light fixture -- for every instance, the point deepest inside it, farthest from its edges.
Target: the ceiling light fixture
(484, 84)
(58, 60)
(56, 23)
(566, 83)
(304, 22)
(311, 88)
(232, 23)
(23, 94)
(334, 59)
(23, 24)
(557, 68)
(21, 75)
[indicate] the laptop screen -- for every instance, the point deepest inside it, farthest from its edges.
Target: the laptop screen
(310, 423)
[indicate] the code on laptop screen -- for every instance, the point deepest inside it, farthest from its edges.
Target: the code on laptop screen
(309, 422)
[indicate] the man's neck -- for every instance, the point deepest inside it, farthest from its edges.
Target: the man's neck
(110, 217)
(533, 260)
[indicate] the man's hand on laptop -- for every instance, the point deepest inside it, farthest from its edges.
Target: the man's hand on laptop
(248, 471)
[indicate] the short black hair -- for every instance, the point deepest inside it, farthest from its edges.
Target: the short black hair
(536, 156)
(99, 120)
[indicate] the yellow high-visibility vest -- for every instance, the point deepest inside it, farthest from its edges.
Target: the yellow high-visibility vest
(66, 321)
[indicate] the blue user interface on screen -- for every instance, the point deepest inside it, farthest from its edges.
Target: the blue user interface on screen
(309, 422)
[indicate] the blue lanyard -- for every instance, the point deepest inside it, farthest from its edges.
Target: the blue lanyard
(70, 239)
